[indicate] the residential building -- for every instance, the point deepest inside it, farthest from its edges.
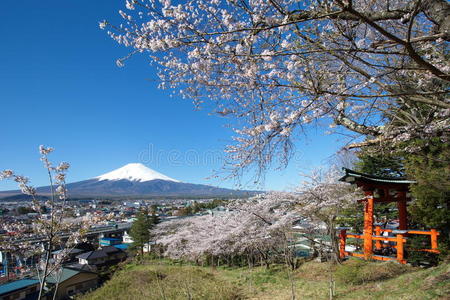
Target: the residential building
(102, 258)
(24, 289)
(108, 241)
(72, 282)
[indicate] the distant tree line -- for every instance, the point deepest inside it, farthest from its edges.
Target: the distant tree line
(196, 207)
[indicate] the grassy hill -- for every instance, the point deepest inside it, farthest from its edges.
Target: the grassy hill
(355, 279)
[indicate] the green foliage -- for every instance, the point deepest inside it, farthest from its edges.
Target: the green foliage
(208, 205)
(385, 165)
(416, 257)
(431, 169)
(185, 211)
(358, 271)
(44, 209)
(22, 210)
(198, 207)
(430, 209)
(352, 217)
(140, 230)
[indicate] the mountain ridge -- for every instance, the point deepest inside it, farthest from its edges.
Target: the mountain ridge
(137, 180)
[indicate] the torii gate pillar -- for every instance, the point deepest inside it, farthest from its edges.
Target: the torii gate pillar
(379, 190)
(368, 224)
(402, 213)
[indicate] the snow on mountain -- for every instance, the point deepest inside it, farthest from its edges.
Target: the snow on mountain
(138, 181)
(134, 172)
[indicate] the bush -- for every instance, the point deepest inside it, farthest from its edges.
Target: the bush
(422, 258)
(358, 271)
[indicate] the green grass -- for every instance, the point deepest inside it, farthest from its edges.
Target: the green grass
(161, 280)
(358, 271)
(355, 279)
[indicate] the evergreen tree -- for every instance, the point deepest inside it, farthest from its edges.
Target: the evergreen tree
(140, 230)
(431, 170)
(380, 164)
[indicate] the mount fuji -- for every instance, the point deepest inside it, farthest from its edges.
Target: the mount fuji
(134, 172)
(135, 180)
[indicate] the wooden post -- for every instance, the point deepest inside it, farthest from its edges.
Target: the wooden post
(342, 240)
(434, 241)
(402, 214)
(368, 225)
(400, 245)
(378, 232)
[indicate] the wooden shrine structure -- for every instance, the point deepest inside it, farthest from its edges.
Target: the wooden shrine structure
(382, 190)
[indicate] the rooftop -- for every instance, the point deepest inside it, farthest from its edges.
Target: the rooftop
(110, 249)
(103, 252)
(72, 251)
(351, 176)
(66, 274)
(93, 254)
(17, 285)
(109, 239)
(122, 246)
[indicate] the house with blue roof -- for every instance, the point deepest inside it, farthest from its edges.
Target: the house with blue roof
(24, 289)
(108, 241)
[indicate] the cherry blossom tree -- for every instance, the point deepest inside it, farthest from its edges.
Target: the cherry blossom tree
(322, 198)
(262, 226)
(50, 225)
(376, 68)
(252, 229)
(268, 226)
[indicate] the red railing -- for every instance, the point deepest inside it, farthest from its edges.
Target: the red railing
(399, 239)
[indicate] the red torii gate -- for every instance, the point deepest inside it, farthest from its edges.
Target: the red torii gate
(382, 190)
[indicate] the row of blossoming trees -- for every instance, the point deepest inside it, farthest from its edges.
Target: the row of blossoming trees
(259, 230)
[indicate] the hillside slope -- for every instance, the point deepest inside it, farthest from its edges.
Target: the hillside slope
(164, 280)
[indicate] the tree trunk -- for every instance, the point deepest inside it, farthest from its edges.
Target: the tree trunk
(44, 279)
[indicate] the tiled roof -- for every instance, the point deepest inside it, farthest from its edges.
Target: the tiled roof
(72, 251)
(66, 274)
(82, 267)
(350, 173)
(93, 254)
(103, 252)
(110, 249)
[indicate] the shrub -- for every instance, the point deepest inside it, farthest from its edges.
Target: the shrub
(356, 271)
(416, 257)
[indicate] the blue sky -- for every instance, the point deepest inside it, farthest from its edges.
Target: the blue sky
(59, 86)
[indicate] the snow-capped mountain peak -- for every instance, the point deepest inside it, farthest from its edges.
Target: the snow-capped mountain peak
(134, 172)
